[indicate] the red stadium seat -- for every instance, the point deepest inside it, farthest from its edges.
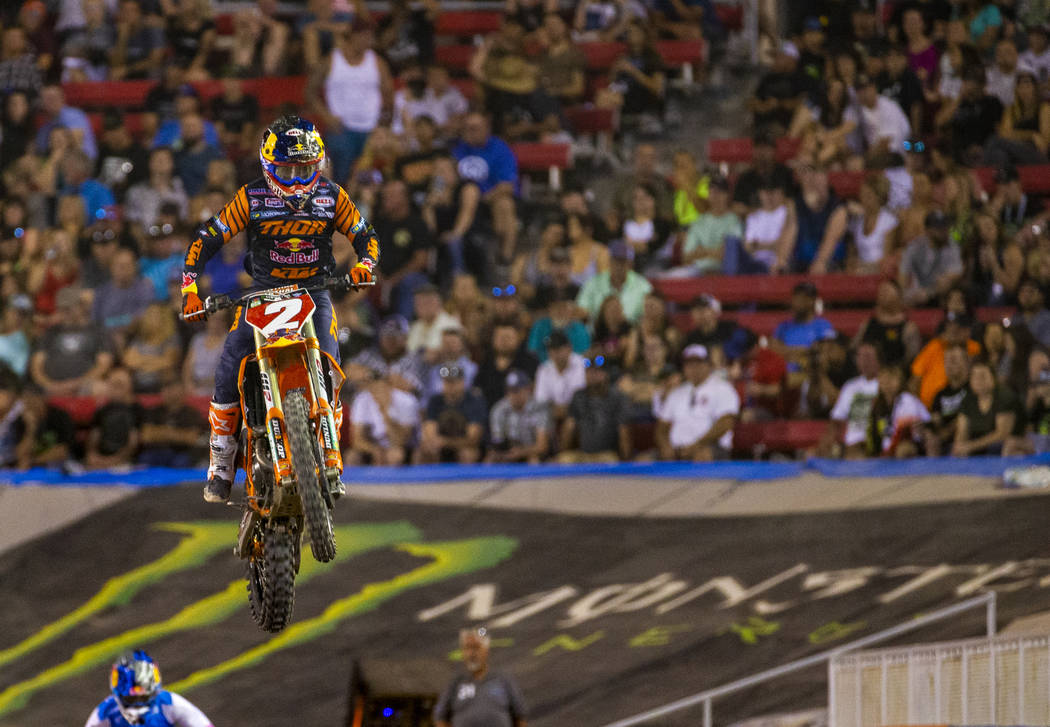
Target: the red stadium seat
(680, 52)
(846, 184)
(600, 56)
(82, 408)
(732, 16)
(589, 120)
(537, 157)
(769, 289)
(277, 91)
(730, 151)
(784, 436)
(454, 57)
(224, 24)
(787, 148)
(1035, 179)
(847, 321)
(468, 22)
(104, 94)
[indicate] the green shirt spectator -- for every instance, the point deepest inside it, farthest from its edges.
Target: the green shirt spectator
(620, 280)
(706, 235)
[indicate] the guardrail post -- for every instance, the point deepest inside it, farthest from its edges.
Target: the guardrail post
(990, 615)
(707, 712)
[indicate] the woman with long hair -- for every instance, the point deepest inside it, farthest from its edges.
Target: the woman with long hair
(1024, 132)
(986, 416)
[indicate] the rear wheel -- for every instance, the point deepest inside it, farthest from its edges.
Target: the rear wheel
(271, 575)
(309, 475)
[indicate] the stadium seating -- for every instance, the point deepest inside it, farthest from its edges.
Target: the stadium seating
(538, 157)
(769, 289)
(82, 408)
(847, 321)
(781, 436)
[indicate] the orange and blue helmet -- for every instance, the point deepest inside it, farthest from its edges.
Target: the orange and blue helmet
(135, 683)
(292, 153)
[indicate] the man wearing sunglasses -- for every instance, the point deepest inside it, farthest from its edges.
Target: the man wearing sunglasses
(290, 215)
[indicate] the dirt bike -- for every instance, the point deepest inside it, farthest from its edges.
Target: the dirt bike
(289, 444)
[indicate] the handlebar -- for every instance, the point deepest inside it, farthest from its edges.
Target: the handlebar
(216, 303)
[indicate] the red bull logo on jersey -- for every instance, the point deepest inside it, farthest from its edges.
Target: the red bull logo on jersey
(299, 251)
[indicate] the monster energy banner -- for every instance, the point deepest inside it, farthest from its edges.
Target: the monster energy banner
(596, 617)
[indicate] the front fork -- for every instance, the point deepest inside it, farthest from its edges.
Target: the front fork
(333, 461)
(319, 390)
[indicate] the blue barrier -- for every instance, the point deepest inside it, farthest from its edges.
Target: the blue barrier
(734, 470)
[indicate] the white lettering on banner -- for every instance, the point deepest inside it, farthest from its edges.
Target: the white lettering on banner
(977, 584)
(664, 592)
(733, 591)
(623, 598)
(838, 582)
(918, 582)
(481, 605)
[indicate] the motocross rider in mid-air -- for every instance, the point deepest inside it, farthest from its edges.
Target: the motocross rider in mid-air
(290, 214)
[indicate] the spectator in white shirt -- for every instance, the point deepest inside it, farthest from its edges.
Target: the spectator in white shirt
(560, 376)
(883, 122)
(1037, 57)
(1002, 75)
(385, 425)
(769, 235)
(431, 321)
(848, 428)
(697, 418)
(898, 419)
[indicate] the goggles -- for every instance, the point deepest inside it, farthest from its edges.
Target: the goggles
(596, 362)
(295, 173)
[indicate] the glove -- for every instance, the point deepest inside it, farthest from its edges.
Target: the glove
(362, 272)
(192, 305)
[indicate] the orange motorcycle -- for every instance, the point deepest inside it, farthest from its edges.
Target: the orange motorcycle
(289, 446)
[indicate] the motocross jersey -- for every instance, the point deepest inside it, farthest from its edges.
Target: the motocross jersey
(168, 710)
(285, 245)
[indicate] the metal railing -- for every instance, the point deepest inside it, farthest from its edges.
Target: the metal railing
(1000, 681)
(707, 697)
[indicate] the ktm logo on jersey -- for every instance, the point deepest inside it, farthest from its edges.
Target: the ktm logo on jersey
(293, 227)
(294, 273)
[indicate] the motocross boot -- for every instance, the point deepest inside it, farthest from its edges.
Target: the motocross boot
(337, 488)
(224, 419)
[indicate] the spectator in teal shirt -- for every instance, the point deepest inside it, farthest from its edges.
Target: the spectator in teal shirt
(619, 280)
(561, 317)
(705, 238)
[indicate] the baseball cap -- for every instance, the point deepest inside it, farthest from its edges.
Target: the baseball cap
(395, 325)
(450, 371)
(695, 351)
(426, 288)
(959, 319)
(936, 218)
(720, 182)
(863, 79)
(517, 379)
(806, 287)
(620, 250)
(705, 300)
(556, 339)
(812, 23)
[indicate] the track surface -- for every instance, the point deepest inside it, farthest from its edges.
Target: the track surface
(622, 628)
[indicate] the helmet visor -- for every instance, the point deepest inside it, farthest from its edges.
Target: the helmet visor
(136, 700)
(295, 173)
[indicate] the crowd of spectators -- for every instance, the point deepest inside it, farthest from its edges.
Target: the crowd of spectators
(508, 329)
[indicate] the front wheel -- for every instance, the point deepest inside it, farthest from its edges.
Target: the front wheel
(308, 475)
(271, 575)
